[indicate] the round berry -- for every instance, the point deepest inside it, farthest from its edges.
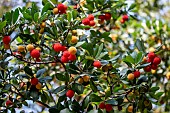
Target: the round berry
(108, 107)
(64, 48)
(72, 57)
(57, 47)
(66, 54)
(8, 103)
(122, 21)
(151, 55)
(64, 59)
(101, 17)
(34, 81)
(90, 17)
(86, 21)
(92, 23)
(35, 53)
(102, 105)
(154, 67)
(130, 109)
(156, 60)
(147, 68)
(86, 78)
(6, 39)
(30, 47)
(21, 48)
(70, 93)
(130, 76)
(55, 10)
(107, 16)
(97, 64)
(125, 17)
(136, 74)
(61, 8)
(72, 50)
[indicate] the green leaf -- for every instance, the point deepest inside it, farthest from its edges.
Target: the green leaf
(95, 98)
(139, 58)
(58, 89)
(93, 86)
(2, 25)
(27, 16)
(88, 47)
(129, 59)
(28, 70)
(153, 89)
(112, 101)
(47, 7)
(132, 7)
(74, 14)
(140, 45)
(15, 16)
(78, 88)
(40, 72)
(73, 66)
(36, 17)
(102, 55)
(69, 16)
(99, 50)
(80, 43)
(159, 94)
(60, 76)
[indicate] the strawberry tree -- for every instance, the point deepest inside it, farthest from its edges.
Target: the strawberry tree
(72, 57)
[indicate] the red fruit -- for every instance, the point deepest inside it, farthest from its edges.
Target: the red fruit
(90, 17)
(151, 55)
(62, 8)
(66, 54)
(125, 17)
(149, 60)
(75, 6)
(70, 93)
(64, 59)
(8, 103)
(122, 21)
(154, 67)
(107, 16)
(35, 53)
(101, 17)
(57, 47)
(64, 48)
(86, 21)
(108, 107)
(136, 74)
(147, 68)
(102, 105)
(156, 60)
(34, 81)
(72, 57)
(6, 39)
(97, 64)
(92, 23)
(38, 60)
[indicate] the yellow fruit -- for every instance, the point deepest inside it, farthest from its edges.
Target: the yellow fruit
(74, 39)
(153, 71)
(151, 49)
(21, 48)
(38, 86)
(55, 10)
(72, 50)
(74, 32)
(43, 25)
(130, 109)
(6, 46)
(38, 48)
(52, 23)
(86, 78)
(30, 47)
(130, 76)
(168, 75)
(41, 31)
(80, 80)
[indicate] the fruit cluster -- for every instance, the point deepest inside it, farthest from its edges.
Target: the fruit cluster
(154, 60)
(106, 16)
(108, 107)
(67, 55)
(124, 18)
(89, 20)
(135, 74)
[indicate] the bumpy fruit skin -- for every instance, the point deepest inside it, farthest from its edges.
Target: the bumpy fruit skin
(72, 57)
(86, 21)
(90, 17)
(43, 25)
(122, 21)
(72, 50)
(156, 60)
(130, 109)
(62, 8)
(107, 16)
(21, 48)
(57, 47)
(151, 55)
(86, 78)
(8, 103)
(64, 59)
(97, 64)
(92, 23)
(154, 67)
(66, 54)
(147, 68)
(41, 31)
(74, 32)
(102, 105)
(39, 86)
(125, 17)
(6, 46)
(6, 39)
(101, 17)
(108, 107)
(30, 47)
(74, 39)
(35, 53)
(80, 80)
(70, 93)
(130, 76)
(136, 74)
(34, 81)
(55, 11)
